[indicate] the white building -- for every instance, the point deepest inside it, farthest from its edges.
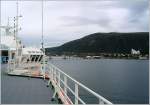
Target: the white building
(134, 52)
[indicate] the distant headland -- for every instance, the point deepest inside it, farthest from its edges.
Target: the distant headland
(108, 45)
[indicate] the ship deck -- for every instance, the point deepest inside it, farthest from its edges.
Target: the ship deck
(24, 90)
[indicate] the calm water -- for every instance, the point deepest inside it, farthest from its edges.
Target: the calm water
(120, 81)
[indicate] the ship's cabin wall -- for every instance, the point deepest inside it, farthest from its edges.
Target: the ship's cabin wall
(5, 56)
(36, 58)
(32, 58)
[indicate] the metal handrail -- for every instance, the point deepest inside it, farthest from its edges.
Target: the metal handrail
(73, 93)
(53, 69)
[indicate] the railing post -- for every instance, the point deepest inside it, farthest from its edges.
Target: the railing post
(58, 78)
(76, 94)
(65, 84)
(52, 73)
(9, 58)
(14, 63)
(55, 75)
(49, 75)
(101, 101)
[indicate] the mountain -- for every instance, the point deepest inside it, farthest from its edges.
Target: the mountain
(106, 43)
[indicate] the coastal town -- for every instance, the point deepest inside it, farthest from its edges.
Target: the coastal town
(135, 54)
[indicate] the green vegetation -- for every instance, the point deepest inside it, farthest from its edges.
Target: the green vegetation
(105, 43)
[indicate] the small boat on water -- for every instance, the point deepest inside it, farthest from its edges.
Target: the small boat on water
(143, 57)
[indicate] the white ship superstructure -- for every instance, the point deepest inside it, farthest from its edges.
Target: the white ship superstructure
(8, 43)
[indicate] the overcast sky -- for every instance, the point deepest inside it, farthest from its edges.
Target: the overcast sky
(68, 20)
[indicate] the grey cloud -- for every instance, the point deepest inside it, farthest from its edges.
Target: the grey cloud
(78, 21)
(136, 8)
(67, 20)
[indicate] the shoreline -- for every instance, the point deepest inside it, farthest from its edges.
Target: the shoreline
(71, 57)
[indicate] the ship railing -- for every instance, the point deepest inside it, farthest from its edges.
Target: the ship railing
(59, 77)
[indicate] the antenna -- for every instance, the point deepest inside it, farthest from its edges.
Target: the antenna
(17, 20)
(14, 29)
(42, 28)
(43, 49)
(8, 28)
(8, 21)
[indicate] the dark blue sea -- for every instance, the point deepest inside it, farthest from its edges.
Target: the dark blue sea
(118, 80)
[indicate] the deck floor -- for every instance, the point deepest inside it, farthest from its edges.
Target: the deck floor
(24, 90)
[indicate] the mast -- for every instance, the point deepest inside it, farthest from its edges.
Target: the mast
(16, 30)
(8, 21)
(42, 28)
(8, 27)
(43, 49)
